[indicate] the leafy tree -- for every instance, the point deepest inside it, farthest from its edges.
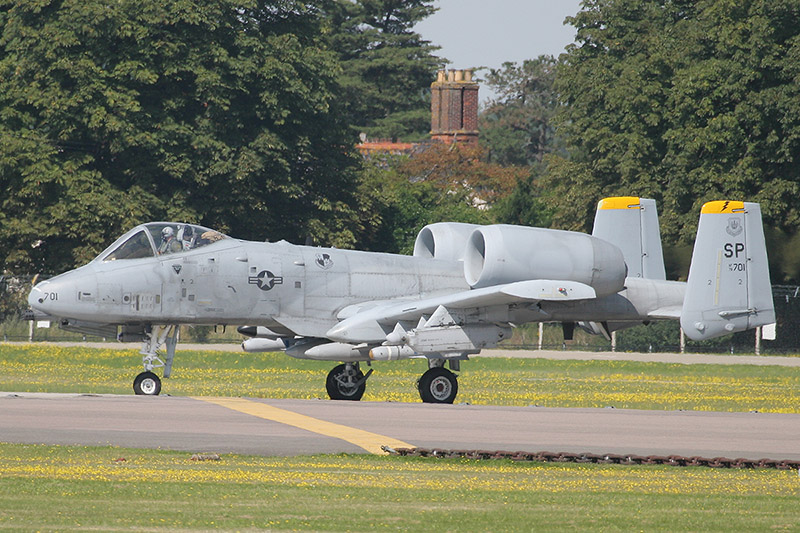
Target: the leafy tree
(414, 205)
(517, 129)
(784, 256)
(657, 336)
(13, 296)
(438, 183)
(683, 101)
(456, 168)
(524, 206)
(387, 68)
(220, 112)
(518, 126)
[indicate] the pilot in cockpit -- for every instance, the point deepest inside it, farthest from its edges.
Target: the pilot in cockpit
(169, 244)
(187, 237)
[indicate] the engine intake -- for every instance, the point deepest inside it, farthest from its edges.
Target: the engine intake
(443, 240)
(504, 254)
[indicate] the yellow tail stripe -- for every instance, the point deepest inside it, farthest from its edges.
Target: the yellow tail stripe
(620, 202)
(722, 206)
(371, 442)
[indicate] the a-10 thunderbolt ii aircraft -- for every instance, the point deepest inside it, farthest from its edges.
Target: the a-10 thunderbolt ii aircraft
(463, 289)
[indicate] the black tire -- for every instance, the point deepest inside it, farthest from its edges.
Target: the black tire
(336, 384)
(438, 385)
(147, 384)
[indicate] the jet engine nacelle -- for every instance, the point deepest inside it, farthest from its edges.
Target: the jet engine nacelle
(443, 240)
(504, 254)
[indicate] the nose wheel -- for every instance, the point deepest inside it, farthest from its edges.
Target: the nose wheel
(147, 383)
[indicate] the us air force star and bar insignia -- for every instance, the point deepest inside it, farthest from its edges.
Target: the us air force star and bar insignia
(265, 280)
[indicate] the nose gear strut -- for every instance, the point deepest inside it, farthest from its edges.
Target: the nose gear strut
(148, 383)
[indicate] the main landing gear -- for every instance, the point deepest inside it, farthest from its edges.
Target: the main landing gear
(437, 385)
(148, 383)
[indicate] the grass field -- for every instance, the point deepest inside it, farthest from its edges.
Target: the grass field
(80, 488)
(59, 488)
(495, 381)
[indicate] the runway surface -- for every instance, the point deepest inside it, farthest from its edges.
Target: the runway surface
(294, 427)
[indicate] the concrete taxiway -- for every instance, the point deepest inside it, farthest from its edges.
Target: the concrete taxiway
(292, 427)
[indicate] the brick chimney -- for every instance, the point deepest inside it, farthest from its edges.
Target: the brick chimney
(454, 107)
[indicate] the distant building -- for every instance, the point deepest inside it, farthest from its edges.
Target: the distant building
(367, 147)
(454, 116)
(454, 107)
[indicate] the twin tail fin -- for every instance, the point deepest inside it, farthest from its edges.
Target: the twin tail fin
(631, 224)
(728, 289)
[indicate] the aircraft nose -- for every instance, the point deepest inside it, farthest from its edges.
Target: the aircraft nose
(42, 296)
(36, 296)
(58, 296)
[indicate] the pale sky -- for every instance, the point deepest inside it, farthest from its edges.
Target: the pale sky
(486, 33)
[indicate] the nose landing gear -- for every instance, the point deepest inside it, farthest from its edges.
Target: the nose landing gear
(148, 383)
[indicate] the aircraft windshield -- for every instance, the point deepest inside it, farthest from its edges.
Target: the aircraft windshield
(162, 238)
(134, 248)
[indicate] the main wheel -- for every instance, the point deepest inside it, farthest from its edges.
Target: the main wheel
(341, 383)
(438, 385)
(147, 383)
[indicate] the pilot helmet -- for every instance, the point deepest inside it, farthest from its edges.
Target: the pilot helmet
(167, 232)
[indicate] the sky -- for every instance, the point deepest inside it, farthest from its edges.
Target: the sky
(487, 33)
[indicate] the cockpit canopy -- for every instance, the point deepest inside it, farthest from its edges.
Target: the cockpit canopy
(159, 238)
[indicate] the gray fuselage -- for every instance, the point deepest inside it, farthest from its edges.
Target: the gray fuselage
(298, 288)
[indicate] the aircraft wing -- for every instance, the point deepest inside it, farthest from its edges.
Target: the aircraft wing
(673, 312)
(370, 322)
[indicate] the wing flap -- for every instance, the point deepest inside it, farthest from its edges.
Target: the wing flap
(672, 312)
(371, 324)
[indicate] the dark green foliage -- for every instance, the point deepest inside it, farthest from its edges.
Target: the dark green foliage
(13, 297)
(405, 205)
(387, 68)
(684, 102)
(518, 127)
(784, 256)
(422, 203)
(220, 112)
(654, 337)
(787, 311)
(524, 206)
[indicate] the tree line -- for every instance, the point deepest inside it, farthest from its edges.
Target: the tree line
(237, 114)
(683, 101)
(243, 115)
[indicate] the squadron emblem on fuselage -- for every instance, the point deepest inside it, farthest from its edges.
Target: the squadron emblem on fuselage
(324, 261)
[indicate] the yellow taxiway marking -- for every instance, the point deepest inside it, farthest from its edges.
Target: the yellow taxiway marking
(371, 442)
